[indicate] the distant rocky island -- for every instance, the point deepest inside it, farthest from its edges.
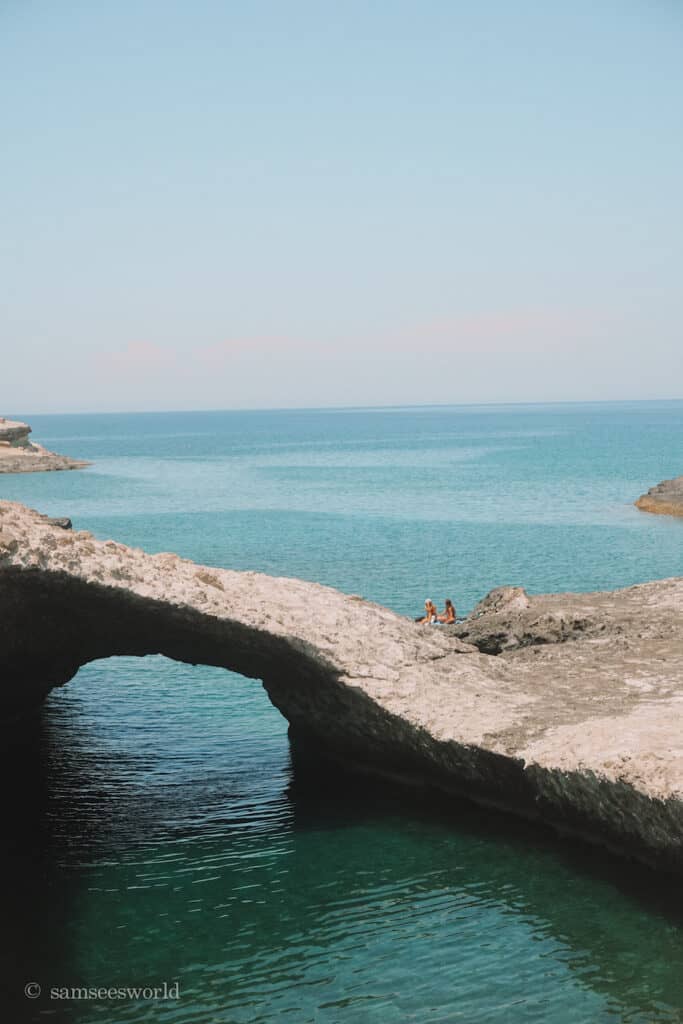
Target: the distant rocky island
(20, 455)
(666, 499)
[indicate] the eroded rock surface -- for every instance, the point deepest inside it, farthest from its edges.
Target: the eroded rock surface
(20, 455)
(577, 721)
(665, 499)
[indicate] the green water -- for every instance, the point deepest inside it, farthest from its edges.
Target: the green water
(160, 828)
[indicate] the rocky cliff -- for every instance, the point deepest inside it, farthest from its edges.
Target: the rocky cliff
(20, 455)
(566, 707)
(665, 499)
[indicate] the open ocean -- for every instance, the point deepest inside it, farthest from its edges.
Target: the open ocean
(157, 825)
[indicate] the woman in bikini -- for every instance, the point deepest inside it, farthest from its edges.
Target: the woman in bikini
(431, 615)
(448, 616)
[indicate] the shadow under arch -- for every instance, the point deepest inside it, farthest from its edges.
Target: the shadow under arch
(92, 795)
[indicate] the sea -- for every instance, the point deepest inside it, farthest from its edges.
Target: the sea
(161, 830)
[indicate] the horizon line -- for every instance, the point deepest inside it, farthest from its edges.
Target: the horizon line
(358, 408)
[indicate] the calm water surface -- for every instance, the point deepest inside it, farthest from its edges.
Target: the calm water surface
(160, 828)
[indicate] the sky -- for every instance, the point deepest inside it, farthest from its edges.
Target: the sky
(215, 205)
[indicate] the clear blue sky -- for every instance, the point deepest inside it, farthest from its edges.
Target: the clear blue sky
(220, 204)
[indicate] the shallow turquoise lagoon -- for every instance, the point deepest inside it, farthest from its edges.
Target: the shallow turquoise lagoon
(159, 827)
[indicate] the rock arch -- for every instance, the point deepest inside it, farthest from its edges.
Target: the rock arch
(565, 725)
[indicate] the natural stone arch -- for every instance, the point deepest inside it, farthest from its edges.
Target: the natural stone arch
(570, 731)
(53, 623)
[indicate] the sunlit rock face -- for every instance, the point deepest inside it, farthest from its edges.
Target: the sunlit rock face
(18, 454)
(573, 716)
(665, 499)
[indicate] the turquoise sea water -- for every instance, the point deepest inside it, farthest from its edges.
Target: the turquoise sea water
(160, 828)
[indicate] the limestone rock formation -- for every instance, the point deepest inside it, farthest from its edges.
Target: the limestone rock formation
(665, 499)
(20, 455)
(577, 722)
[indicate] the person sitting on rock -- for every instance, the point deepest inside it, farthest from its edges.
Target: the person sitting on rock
(448, 617)
(430, 615)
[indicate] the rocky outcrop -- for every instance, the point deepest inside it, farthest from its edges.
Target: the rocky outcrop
(508, 619)
(576, 722)
(63, 522)
(20, 455)
(14, 433)
(665, 499)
